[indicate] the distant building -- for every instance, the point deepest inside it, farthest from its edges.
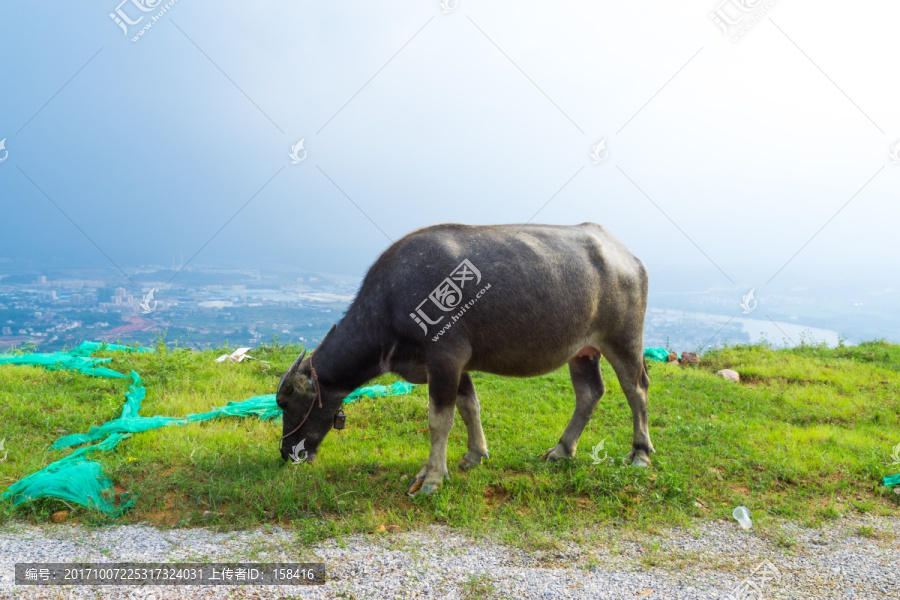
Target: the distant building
(214, 304)
(689, 322)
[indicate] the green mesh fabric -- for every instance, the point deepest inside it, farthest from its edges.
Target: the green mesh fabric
(133, 398)
(660, 354)
(87, 348)
(400, 388)
(64, 360)
(76, 479)
(78, 359)
(73, 478)
(263, 407)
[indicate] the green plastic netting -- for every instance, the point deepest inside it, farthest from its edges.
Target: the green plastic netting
(399, 388)
(73, 478)
(78, 359)
(64, 360)
(87, 348)
(660, 354)
(82, 481)
(262, 407)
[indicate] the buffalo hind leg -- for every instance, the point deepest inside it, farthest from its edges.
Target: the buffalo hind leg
(588, 383)
(443, 383)
(631, 370)
(470, 410)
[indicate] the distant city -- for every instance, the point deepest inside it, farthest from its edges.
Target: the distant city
(205, 307)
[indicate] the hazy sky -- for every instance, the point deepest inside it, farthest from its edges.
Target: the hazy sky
(724, 157)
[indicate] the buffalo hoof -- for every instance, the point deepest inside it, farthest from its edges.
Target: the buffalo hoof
(415, 486)
(420, 485)
(557, 452)
(471, 459)
(639, 458)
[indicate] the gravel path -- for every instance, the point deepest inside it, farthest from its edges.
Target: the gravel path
(710, 561)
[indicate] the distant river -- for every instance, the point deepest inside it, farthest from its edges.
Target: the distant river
(777, 333)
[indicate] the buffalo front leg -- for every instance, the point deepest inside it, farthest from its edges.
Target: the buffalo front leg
(588, 383)
(442, 391)
(470, 411)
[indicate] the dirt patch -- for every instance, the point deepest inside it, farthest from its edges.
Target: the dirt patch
(494, 495)
(737, 488)
(171, 512)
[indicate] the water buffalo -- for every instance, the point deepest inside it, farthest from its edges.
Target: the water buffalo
(516, 300)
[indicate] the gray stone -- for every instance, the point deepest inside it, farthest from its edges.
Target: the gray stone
(729, 375)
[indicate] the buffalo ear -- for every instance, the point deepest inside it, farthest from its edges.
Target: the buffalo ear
(286, 383)
(285, 386)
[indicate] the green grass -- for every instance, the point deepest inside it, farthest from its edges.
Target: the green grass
(805, 437)
(478, 587)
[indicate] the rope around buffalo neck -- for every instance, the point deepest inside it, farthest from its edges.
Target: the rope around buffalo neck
(311, 404)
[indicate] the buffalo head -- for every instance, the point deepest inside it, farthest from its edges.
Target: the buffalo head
(308, 408)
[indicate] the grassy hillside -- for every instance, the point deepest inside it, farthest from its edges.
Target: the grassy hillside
(806, 436)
